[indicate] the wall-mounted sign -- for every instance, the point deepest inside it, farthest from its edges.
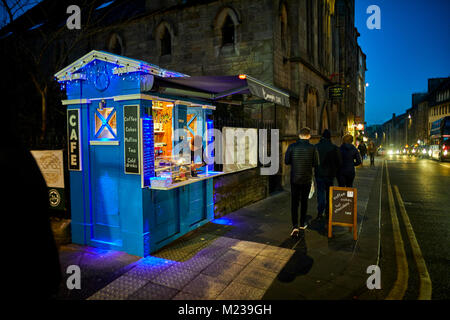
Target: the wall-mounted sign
(343, 209)
(51, 165)
(147, 152)
(74, 139)
(336, 92)
(267, 93)
(131, 139)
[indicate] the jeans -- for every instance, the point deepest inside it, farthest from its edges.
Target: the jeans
(346, 180)
(323, 195)
(299, 193)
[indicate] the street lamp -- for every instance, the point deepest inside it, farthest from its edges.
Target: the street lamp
(407, 126)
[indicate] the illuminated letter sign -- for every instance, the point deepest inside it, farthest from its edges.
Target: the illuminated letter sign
(73, 138)
(131, 139)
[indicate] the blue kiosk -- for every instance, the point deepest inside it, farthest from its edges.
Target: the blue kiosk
(127, 191)
(131, 188)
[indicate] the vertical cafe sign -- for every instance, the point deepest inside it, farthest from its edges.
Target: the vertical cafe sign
(131, 139)
(74, 141)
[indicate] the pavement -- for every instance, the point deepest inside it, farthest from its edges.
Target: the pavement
(245, 255)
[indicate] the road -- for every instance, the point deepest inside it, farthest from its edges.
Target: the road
(422, 186)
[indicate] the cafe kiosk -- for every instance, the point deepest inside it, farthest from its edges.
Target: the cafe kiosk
(128, 190)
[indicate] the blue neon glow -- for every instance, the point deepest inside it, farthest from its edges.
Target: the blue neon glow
(36, 26)
(210, 126)
(224, 221)
(104, 5)
(148, 150)
(151, 261)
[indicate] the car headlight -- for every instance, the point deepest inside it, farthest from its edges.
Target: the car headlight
(424, 151)
(445, 152)
(390, 152)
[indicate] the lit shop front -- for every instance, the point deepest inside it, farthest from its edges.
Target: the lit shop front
(136, 136)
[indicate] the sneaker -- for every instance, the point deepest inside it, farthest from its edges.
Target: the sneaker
(295, 232)
(304, 227)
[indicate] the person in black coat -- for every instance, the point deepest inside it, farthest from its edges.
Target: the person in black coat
(350, 159)
(30, 252)
(302, 156)
(330, 162)
(363, 151)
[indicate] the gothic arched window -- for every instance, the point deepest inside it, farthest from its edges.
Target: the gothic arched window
(115, 44)
(164, 36)
(228, 31)
(166, 42)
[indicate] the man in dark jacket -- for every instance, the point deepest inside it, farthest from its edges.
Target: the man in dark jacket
(330, 162)
(363, 151)
(350, 159)
(302, 157)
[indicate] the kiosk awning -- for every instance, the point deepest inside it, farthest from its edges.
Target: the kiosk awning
(217, 87)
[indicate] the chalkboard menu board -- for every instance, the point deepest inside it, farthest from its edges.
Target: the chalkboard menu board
(131, 139)
(343, 208)
(148, 154)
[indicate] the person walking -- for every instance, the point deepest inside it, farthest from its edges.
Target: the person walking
(363, 151)
(330, 161)
(302, 156)
(350, 159)
(371, 150)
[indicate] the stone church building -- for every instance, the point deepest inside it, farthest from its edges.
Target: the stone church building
(301, 46)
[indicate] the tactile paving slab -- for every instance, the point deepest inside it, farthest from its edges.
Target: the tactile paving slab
(255, 277)
(153, 291)
(268, 263)
(175, 277)
(223, 271)
(204, 286)
(277, 252)
(119, 289)
(238, 257)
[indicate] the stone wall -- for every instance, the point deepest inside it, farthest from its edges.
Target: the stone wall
(236, 190)
(196, 39)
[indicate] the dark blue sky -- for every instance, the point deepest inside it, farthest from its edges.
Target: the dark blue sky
(412, 46)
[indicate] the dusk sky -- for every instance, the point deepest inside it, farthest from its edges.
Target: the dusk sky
(412, 46)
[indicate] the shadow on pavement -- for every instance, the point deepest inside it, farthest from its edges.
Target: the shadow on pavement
(299, 264)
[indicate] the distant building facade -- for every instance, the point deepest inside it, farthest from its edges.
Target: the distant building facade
(414, 126)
